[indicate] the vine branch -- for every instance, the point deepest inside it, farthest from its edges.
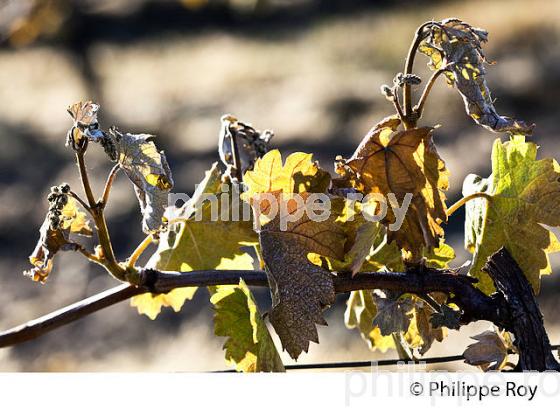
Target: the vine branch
(475, 304)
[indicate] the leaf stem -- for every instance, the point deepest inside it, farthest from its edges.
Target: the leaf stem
(409, 65)
(81, 201)
(419, 108)
(404, 352)
(430, 301)
(236, 159)
(451, 210)
(109, 260)
(84, 177)
(88, 255)
(139, 251)
(398, 107)
(108, 185)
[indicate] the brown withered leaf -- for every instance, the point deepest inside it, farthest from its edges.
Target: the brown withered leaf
(490, 352)
(448, 317)
(389, 161)
(84, 116)
(359, 314)
(251, 143)
(52, 241)
(300, 290)
(457, 46)
(393, 312)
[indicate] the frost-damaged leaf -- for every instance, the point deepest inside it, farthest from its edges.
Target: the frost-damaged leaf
(251, 143)
(300, 289)
(393, 313)
(249, 346)
(448, 317)
(388, 161)
(148, 170)
(524, 196)
(84, 115)
(490, 352)
(456, 45)
(52, 241)
(191, 244)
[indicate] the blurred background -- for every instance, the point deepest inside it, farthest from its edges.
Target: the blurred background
(308, 69)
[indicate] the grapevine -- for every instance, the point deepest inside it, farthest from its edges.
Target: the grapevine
(375, 231)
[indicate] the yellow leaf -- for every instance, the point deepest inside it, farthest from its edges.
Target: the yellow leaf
(298, 174)
(74, 220)
(150, 304)
(249, 346)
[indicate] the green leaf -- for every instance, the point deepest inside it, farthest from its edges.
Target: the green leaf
(454, 44)
(439, 257)
(192, 244)
(249, 346)
(523, 196)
